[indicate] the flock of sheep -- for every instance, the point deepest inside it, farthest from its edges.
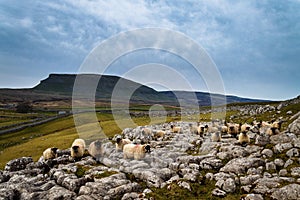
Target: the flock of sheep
(134, 149)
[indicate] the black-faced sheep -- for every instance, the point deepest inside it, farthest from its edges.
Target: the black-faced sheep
(159, 134)
(224, 129)
(96, 150)
(201, 130)
(255, 127)
(244, 138)
(176, 129)
(270, 128)
(135, 151)
(273, 130)
(233, 129)
(245, 128)
(120, 143)
(50, 153)
(277, 124)
(78, 148)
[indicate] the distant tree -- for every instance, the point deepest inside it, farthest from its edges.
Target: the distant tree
(24, 107)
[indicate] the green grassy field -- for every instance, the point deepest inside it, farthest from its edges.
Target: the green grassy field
(60, 133)
(32, 141)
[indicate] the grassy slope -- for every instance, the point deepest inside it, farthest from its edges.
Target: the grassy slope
(33, 141)
(62, 132)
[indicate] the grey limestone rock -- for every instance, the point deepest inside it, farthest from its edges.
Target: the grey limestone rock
(18, 164)
(289, 192)
(267, 152)
(254, 197)
(279, 148)
(218, 193)
(241, 165)
(262, 140)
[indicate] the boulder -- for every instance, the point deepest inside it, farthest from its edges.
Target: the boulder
(240, 166)
(18, 164)
(289, 192)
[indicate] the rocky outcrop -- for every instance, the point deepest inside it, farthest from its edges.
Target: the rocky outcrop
(294, 127)
(266, 168)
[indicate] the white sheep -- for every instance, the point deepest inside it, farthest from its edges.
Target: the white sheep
(233, 129)
(50, 153)
(277, 124)
(201, 130)
(159, 134)
(224, 129)
(255, 126)
(176, 129)
(135, 151)
(77, 148)
(243, 138)
(216, 137)
(120, 143)
(265, 124)
(245, 128)
(270, 128)
(96, 150)
(273, 130)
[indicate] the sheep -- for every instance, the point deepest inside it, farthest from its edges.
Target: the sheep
(255, 126)
(135, 151)
(78, 148)
(243, 138)
(272, 131)
(50, 153)
(96, 150)
(201, 130)
(120, 143)
(224, 129)
(245, 128)
(159, 134)
(233, 129)
(277, 124)
(216, 137)
(270, 128)
(176, 129)
(265, 124)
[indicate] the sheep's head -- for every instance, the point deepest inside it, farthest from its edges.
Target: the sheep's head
(231, 127)
(273, 129)
(172, 126)
(277, 124)
(119, 140)
(54, 150)
(147, 148)
(75, 148)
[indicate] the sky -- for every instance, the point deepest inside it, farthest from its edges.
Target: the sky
(255, 45)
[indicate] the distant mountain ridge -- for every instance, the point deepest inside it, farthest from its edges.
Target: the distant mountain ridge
(60, 86)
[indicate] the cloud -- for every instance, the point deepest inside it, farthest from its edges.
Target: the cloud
(256, 40)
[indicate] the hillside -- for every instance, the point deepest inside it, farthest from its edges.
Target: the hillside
(58, 87)
(185, 165)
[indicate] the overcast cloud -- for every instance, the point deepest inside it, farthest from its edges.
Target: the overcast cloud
(254, 44)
